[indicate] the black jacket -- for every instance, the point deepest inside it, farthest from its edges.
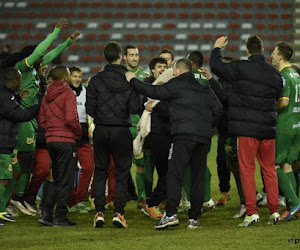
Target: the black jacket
(194, 109)
(160, 118)
(252, 100)
(11, 113)
(110, 99)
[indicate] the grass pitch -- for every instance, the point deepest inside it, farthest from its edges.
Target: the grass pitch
(219, 231)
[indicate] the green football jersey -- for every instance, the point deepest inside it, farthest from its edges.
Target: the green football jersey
(289, 117)
(141, 75)
(200, 77)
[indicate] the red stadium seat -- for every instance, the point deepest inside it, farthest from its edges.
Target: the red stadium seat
(91, 36)
(272, 37)
(234, 26)
(134, 5)
(107, 15)
(271, 48)
(16, 25)
(247, 5)
(222, 5)
(170, 26)
(261, 36)
(88, 47)
(183, 15)
(94, 15)
(70, 14)
(44, 14)
(26, 36)
(86, 58)
(184, 5)
(260, 5)
(207, 37)
(96, 4)
(84, 4)
(260, 15)
(13, 36)
(196, 15)
(194, 36)
(120, 15)
(234, 15)
(235, 5)
(121, 5)
(159, 5)
(4, 25)
(6, 15)
(285, 26)
(58, 4)
(32, 15)
(146, 4)
(82, 15)
(141, 47)
(171, 15)
(153, 47)
(172, 5)
(285, 37)
(233, 37)
(206, 59)
(222, 15)
(272, 26)
(169, 47)
(247, 15)
(64, 36)
(273, 15)
(33, 4)
(232, 48)
(109, 4)
(155, 36)
(79, 25)
(286, 16)
(197, 5)
(100, 47)
(105, 25)
(145, 15)
(259, 26)
(46, 4)
(209, 15)
(285, 5)
(28, 25)
(132, 15)
(70, 4)
(168, 36)
(96, 69)
(142, 36)
(19, 15)
(75, 46)
(56, 15)
(210, 5)
(103, 36)
(158, 15)
(129, 36)
(273, 5)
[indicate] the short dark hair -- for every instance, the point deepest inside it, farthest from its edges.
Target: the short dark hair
(59, 72)
(196, 57)
(50, 73)
(167, 51)
(75, 68)
(9, 74)
(112, 51)
(285, 49)
(185, 64)
(155, 61)
(254, 44)
(127, 47)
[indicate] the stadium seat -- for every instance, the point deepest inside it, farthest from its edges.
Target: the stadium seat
(196, 15)
(170, 26)
(272, 26)
(116, 36)
(260, 5)
(44, 15)
(171, 15)
(131, 25)
(103, 36)
(273, 5)
(195, 25)
(86, 58)
(96, 4)
(46, 4)
(134, 5)
(286, 16)
(208, 25)
(71, 4)
(168, 36)
(142, 36)
(84, 4)
(92, 25)
(194, 36)
(247, 15)
(222, 5)
(33, 4)
(64, 36)
(219, 35)
(6, 15)
(21, 5)
(118, 25)
(285, 37)
(197, 5)
(246, 26)
(192, 47)
(207, 36)
(107, 15)
(233, 37)
(156, 26)
(181, 36)
(90, 36)
(145, 15)
(273, 15)
(4, 25)
(26, 36)
(234, 26)
(75, 46)
(179, 47)
(271, 48)
(28, 25)
(272, 37)
(141, 47)
(153, 47)
(222, 15)
(247, 5)
(132, 15)
(235, 5)
(105, 25)
(232, 48)
(172, 5)
(121, 5)
(79, 25)
(169, 47)
(32, 15)
(209, 5)
(109, 4)
(285, 5)
(19, 14)
(58, 4)
(69, 14)
(221, 25)
(100, 47)
(155, 36)
(147, 4)
(94, 15)
(183, 15)
(206, 59)
(285, 26)
(209, 15)
(259, 26)
(13, 36)
(88, 47)
(56, 15)
(259, 15)
(158, 15)
(129, 36)
(120, 15)
(234, 15)
(82, 15)
(16, 25)
(96, 69)
(159, 5)
(144, 25)
(184, 5)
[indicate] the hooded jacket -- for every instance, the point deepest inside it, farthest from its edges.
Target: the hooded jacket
(10, 113)
(110, 98)
(58, 114)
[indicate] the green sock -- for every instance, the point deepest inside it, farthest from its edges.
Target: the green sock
(148, 174)
(207, 192)
(22, 184)
(291, 176)
(8, 192)
(286, 187)
(187, 183)
(139, 179)
(237, 178)
(296, 174)
(2, 205)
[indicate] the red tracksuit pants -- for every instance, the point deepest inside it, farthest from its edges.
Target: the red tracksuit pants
(264, 151)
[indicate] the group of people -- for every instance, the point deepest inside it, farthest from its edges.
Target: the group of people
(170, 113)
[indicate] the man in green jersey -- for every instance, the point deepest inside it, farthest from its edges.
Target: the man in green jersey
(144, 173)
(32, 59)
(288, 128)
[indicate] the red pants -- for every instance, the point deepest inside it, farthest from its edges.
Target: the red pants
(86, 160)
(264, 150)
(41, 170)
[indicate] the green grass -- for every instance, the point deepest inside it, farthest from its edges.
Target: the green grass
(219, 231)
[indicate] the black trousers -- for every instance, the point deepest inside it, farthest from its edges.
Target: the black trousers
(185, 153)
(64, 164)
(223, 171)
(160, 146)
(115, 141)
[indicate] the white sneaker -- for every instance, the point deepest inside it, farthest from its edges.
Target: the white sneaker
(281, 201)
(208, 205)
(263, 202)
(249, 220)
(242, 211)
(274, 219)
(12, 211)
(20, 207)
(30, 208)
(259, 197)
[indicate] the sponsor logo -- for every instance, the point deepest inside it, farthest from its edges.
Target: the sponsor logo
(296, 109)
(30, 140)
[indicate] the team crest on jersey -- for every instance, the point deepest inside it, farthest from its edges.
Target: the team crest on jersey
(10, 167)
(30, 140)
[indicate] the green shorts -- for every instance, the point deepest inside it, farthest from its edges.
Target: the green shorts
(26, 137)
(287, 148)
(6, 169)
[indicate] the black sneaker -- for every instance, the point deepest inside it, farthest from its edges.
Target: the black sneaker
(193, 224)
(64, 223)
(167, 221)
(46, 219)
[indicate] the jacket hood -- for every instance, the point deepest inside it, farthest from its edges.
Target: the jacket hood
(55, 89)
(114, 78)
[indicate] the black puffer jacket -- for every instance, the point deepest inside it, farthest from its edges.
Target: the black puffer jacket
(160, 118)
(252, 100)
(11, 113)
(110, 98)
(194, 109)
